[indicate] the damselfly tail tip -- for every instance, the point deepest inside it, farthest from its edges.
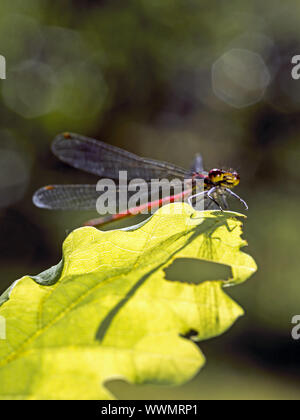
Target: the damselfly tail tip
(95, 222)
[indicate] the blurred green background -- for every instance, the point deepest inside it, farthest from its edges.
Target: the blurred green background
(165, 79)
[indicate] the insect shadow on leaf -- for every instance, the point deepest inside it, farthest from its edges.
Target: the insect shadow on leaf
(207, 227)
(195, 271)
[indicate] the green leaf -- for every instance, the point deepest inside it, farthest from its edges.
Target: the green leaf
(108, 311)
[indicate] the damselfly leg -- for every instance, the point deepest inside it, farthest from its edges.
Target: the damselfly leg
(238, 197)
(209, 195)
(190, 199)
(205, 193)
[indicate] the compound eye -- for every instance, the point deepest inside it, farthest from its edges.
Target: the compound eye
(215, 175)
(232, 179)
(237, 177)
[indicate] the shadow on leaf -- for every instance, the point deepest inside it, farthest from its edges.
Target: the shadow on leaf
(193, 271)
(207, 228)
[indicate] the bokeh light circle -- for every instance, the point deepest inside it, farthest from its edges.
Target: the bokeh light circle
(240, 77)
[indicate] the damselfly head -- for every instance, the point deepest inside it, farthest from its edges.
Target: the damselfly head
(226, 179)
(231, 179)
(215, 175)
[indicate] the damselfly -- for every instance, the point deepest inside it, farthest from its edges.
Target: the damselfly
(108, 161)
